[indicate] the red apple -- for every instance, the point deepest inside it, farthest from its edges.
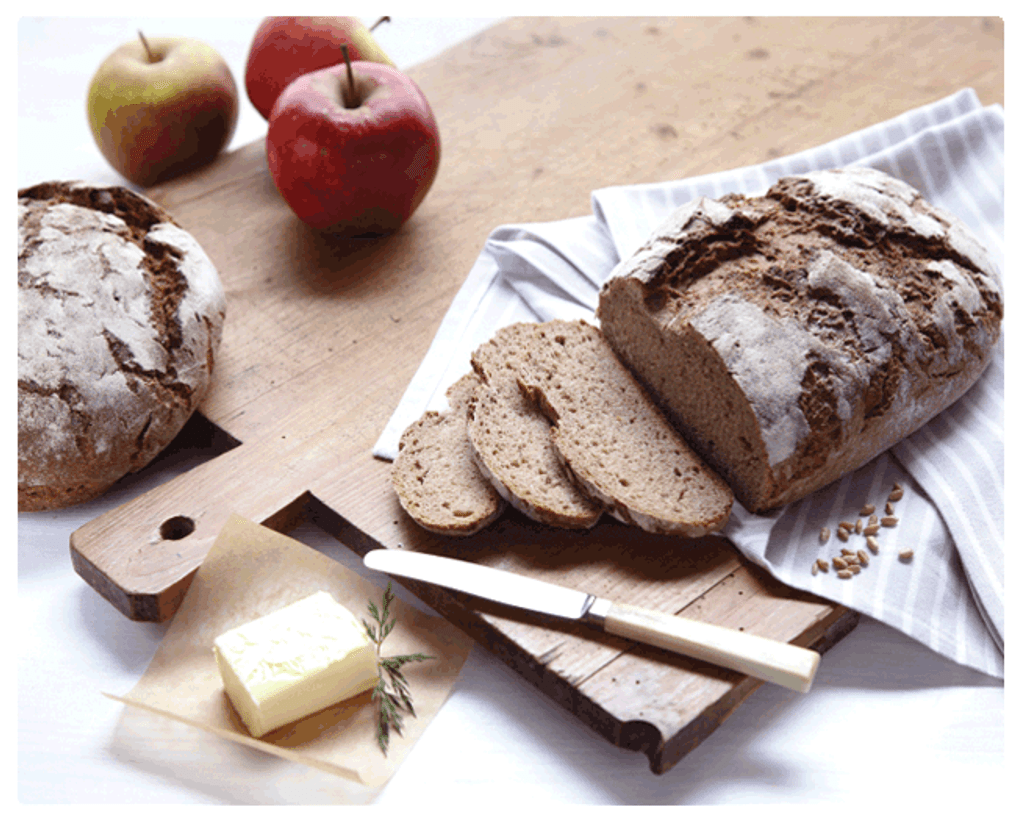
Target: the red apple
(353, 149)
(162, 106)
(285, 48)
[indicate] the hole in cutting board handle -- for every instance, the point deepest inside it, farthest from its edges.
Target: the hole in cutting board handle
(176, 528)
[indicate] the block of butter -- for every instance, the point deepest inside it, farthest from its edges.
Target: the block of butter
(295, 662)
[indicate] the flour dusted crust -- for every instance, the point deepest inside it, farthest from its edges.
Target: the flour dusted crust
(795, 336)
(120, 314)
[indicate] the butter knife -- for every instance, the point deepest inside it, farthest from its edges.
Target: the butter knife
(784, 664)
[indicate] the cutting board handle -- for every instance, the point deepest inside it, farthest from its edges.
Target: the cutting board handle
(141, 556)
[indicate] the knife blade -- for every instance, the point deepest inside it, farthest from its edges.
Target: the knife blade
(786, 665)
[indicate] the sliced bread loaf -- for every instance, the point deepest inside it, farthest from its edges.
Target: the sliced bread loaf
(512, 442)
(795, 336)
(614, 440)
(434, 474)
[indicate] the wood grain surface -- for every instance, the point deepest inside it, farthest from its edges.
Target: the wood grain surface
(322, 337)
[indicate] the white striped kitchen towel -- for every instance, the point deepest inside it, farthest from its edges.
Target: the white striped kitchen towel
(950, 596)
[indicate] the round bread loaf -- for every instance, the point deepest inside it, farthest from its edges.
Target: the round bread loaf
(795, 336)
(120, 314)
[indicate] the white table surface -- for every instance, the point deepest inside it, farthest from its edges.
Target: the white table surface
(888, 722)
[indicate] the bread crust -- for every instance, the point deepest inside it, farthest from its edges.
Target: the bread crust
(120, 315)
(793, 337)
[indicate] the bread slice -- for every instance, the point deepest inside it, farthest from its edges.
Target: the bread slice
(614, 440)
(512, 442)
(434, 474)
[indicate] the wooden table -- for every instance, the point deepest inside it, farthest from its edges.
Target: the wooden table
(322, 337)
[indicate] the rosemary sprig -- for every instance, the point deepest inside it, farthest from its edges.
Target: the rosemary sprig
(391, 694)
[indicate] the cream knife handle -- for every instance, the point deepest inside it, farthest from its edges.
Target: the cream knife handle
(787, 665)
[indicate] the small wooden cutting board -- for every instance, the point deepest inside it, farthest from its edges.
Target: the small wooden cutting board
(322, 337)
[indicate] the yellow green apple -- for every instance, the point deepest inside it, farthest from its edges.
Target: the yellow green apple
(162, 106)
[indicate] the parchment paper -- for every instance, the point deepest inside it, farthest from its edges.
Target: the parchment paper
(251, 571)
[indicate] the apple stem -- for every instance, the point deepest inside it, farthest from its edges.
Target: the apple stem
(351, 102)
(384, 19)
(145, 45)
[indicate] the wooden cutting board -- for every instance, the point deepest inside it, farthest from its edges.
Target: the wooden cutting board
(323, 337)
